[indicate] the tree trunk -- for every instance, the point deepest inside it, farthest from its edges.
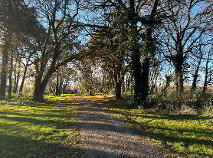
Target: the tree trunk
(168, 81)
(149, 51)
(41, 84)
(179, 66)
(91, 92)
(10, 78)
(64, 87)
(205, 84)
(145, 78)
(179, 77)
(3, 84)
(118, 85)
(118, 78)
(137, 70)
(23, 79)
(128, 84)
(61, 85)
(194, 83)
(18, 75)
(14, 73)
(38, 94)
(135, 57)
(16, 83)
(39, 89)
(57, 89)
(138, 87)
(118, 90)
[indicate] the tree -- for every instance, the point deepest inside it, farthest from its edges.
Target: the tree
(5, 56)
(182, 30)
(208, 71)
(135, 20)
(63, 77)
(86, 67)
(27, 54)
(109, 45)
(16, 19)
(10, 76)
(57, 45)
(197, 57)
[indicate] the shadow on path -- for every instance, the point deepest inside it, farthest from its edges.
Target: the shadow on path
(105, 136)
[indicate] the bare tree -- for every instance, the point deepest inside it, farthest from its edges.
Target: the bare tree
(208, 71)
(57, 45)
(183, 29)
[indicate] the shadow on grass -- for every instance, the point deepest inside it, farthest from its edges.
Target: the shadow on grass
(51, 117)
(2, 113)
(23, 132)
(163, 134)
(19, 147)
(32, 147)
(39, 121)
(176, 116)
(180, 134)
(62, 124)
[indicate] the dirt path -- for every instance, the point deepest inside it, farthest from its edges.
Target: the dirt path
(104, 136)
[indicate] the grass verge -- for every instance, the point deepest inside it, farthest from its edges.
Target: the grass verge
(180, 135)
(29, 129)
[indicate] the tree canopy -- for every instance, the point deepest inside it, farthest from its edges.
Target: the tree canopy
(120, 47)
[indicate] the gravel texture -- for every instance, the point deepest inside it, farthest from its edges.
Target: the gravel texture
(102, 135)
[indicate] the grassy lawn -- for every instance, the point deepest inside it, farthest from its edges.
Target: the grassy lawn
(180, 135)
(32, 130)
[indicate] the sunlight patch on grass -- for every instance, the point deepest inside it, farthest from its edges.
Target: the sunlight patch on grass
(59, 98)
(97, 97)
(30, 129)
(181, 135)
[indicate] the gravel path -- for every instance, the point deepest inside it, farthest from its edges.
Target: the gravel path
(104, 136)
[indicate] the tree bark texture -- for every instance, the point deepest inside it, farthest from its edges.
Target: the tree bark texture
(136, 67)
(23, 79)
(178, 61)
(10, 78)
(58, 88)
(4, 68)
(39, 88)
(205, 84)
(195, 76)
(136, 64)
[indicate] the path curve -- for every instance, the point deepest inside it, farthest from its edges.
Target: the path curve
(105, 136)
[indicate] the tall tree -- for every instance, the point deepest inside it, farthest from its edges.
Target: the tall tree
(110, 47)
(184, 27)
(10, 76)
(4, 69)
(136, 16)
(208, 71)
(16, 19)
(57, 44)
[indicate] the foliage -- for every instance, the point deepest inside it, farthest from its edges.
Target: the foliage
(124, 47)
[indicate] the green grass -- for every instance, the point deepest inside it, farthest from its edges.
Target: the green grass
(29, 129)
(180, 135)
(32, 130)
